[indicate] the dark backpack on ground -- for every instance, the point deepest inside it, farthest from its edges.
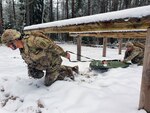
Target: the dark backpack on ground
(139, 44)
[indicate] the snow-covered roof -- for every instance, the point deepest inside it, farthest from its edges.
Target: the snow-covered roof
(126, 14)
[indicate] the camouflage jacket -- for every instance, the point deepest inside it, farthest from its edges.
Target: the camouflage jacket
(40, 52)
(135, 56)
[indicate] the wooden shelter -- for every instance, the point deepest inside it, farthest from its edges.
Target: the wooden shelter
(138, 34)
(127, 23)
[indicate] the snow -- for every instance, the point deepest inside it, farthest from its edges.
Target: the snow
(116, 91)
(126, 14)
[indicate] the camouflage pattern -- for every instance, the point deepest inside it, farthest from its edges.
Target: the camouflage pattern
(10, 35)
(41, 53)
(135, 56)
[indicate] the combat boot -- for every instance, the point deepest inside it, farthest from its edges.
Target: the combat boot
(48, 81)
(34, 73)
(70, 73)
(66, 72)
(75, 69)
(50, 77)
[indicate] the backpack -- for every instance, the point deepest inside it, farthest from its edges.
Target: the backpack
(139, 44)
(39, 34)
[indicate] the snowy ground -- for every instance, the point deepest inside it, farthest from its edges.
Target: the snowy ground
(116, 91)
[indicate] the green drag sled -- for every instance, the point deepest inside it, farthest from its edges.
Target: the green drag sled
(105, 65)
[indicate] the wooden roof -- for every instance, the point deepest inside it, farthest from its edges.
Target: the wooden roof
(119, 20)
(132, 23)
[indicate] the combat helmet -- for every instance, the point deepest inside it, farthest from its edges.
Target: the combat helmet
(129, 44)
(10, 35)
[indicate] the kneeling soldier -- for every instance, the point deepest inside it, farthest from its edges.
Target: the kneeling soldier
(40, 53)
(133, 54)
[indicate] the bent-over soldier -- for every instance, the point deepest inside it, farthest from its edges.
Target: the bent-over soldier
(133, 54)
(40, 53)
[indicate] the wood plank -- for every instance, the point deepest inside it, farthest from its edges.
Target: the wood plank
(113, 34)
(79, 41)
(120, 46)
(104, 46)
(145, 85)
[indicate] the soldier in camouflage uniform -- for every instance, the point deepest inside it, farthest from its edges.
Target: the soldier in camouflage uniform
(133, 54)
(40, 53)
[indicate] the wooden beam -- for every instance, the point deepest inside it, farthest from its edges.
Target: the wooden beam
(104, 46)
(79, 41)
(120, 46)
(145, 85)
(113, 34)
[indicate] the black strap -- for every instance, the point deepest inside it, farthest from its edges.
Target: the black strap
(81, 55)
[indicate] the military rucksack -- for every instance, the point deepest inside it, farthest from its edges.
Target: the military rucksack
(139, 44)
(38, 34)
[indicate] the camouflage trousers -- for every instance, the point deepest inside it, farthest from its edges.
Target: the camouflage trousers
(57, 73)
(137, 60)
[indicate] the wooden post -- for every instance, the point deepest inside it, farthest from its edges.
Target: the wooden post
(145, 84)
(120, 46)
(79, 41)
(104, 46)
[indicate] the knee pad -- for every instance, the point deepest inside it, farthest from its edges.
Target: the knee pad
(36, 73)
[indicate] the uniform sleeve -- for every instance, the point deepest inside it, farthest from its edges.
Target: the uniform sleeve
(133, 54)
(126, 55)
(48, 44)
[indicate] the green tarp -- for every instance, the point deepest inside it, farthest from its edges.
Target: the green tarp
(107, 64)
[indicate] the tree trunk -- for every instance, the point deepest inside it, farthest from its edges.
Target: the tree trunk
(27, 12)
(115, 5)
(73, 13)
(14, 11)
(67, 10)
(51, 11)
(1, 17)
(57, 10)
(89, 7)
(145, 85)
(63, 10)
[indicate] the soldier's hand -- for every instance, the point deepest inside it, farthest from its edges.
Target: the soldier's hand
(68, 56)
(123, 61)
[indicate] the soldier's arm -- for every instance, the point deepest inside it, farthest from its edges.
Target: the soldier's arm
(126, 55)
(133, 54)
(58, 50)
(49, 45)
